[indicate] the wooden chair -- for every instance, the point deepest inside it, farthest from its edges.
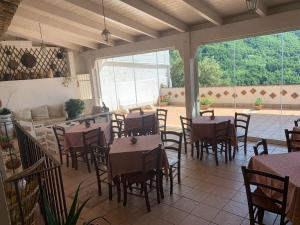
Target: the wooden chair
(162, 118)
(207, 113)
(186, 125)
(258, 201)
(258, 145)
(148, 125)
(115, 129)
(121, 119)
(100, 159)
(292, 140)
(151, 172)
(241, 123)
(59, 133)
(297, 122)
(90, 138)
(173, 145)
(221, 137)
(138, 109)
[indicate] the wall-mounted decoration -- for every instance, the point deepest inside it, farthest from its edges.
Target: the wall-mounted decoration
(32, 63)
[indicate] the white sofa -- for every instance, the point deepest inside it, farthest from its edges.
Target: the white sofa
(45, 114)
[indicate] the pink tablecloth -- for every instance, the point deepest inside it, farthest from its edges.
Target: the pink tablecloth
(203, 127)
(125, 157)
(134, 121)
(74, 138)
(287, 164)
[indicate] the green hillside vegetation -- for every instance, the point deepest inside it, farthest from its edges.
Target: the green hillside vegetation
(264, 60)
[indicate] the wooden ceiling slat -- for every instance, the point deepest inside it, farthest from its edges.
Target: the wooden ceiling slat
(8, 9)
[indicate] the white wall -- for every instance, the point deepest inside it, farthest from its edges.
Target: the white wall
(31, 93)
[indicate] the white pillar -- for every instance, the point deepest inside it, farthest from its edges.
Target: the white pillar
(189, 58)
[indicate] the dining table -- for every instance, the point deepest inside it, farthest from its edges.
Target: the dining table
(286, 164)
(134, 121)
(203, 128)
(126, 157)
(74, 134)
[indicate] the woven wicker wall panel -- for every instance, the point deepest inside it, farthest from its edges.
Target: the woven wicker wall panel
(47, 63)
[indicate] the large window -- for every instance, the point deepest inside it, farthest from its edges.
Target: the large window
(133, 80)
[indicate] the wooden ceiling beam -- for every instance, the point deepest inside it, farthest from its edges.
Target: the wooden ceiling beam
(157, 14)
(204, 11)
(7, 12)
(96, 9)
(72, 18)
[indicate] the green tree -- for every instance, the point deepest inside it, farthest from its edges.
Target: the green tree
(176, 70)
(210, 73)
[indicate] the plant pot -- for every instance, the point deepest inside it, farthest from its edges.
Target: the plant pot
(13, 164)
(164, 104)
(258, 107)
(6, 124)
(204, 107)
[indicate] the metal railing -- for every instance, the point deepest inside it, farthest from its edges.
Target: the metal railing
(46, 179)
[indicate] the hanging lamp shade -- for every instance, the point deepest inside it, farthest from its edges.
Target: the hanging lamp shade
(252, 5)
(105, 35)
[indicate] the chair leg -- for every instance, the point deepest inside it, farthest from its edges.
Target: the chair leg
(61, 158)
(192, 148)
(99, 185)
(215, 149)
(124, 193)
(67, 159)
(161, 185)
(260, 214)
(226, 150)
(110, 192)
(185, 148)
(201, 149)
(198, 149)
(157, 189)
(178, 173)
(171, 180)
(144, 187)
(245, 145)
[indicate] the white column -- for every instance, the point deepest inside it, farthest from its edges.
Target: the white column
(188, 56)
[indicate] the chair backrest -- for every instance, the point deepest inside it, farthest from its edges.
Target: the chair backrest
(151, 160)
(207, 113)
(261, 144)
(242, 121)
(115, 129)
(297, 122)
(121, 120)
(92, 138)
(148, 124)
(59, 133)
(221, 130)
(254, 178)
(100, 156)
(172, 141)
(162, 118)
(138, 109)
(292, 140)
(186, 125)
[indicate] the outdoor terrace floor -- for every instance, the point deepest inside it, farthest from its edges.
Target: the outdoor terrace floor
(207, 195)
(265, 123)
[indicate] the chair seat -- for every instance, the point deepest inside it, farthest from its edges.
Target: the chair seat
(260, 199)
(138, 176)
(172, 161)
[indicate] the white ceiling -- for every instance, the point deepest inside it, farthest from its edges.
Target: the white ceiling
(77, 24)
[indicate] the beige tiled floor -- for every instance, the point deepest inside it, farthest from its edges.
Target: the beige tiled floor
(265, 123)
(207, 195)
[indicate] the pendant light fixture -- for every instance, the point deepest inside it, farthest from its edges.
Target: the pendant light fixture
(43, 47)
(252, 5)
(105, 33)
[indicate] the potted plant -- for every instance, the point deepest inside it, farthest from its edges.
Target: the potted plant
(6, 124)
(205, 103)
(73, 214)
(164, 100)
(74, 108)
(5, 142)
(258, 104)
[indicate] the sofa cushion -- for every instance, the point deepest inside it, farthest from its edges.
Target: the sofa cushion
(23, 115)
(51, 121)
(56, 111)
(40, 113)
